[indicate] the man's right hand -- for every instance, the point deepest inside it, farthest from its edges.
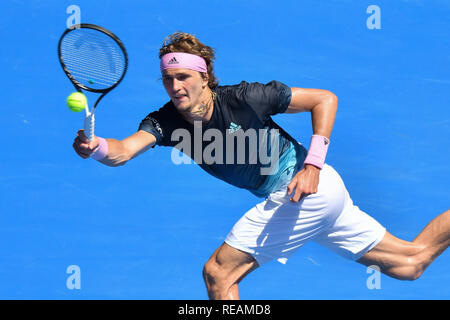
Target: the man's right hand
(83, 147)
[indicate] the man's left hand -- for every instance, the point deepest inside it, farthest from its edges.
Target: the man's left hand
(305, 182)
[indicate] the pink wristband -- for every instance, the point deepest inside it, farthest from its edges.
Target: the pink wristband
(317, 151)
(101, 151)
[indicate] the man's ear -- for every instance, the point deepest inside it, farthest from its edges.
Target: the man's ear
(205, 78)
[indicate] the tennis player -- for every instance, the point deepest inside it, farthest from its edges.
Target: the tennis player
(303, 198)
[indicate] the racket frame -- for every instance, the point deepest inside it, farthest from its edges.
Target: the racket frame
(89, 119)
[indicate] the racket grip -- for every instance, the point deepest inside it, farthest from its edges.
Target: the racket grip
(89, 124)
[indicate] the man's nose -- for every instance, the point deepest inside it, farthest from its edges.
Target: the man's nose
(176, 85)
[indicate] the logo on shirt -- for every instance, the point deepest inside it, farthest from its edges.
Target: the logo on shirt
(156, 125)
(233, 127)
(173, 61)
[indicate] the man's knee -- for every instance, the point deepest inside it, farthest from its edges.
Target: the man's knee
(209, 271)
(226, 267)
(213, 273)
(411, 270)
(420, 262)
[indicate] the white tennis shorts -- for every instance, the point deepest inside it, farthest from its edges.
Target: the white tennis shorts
(277, 227)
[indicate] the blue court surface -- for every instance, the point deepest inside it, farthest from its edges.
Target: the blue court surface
(144, 230)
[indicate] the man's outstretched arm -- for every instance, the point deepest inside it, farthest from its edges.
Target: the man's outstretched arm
(119, 152)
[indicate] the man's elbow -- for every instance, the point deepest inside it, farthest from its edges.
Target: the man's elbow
(116, 161)
(118, 164)
(330, 102)
(331, 99)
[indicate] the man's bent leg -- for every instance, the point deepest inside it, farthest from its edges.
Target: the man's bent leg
(224, 270)
(436, 235)
(408, 260)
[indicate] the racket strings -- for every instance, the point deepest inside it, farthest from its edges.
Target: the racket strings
(78, 40)
(103, 47)
(92, 71)
(93, 58)
(95, 67)
(78, 69)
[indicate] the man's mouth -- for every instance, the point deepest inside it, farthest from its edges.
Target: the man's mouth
(179, 97)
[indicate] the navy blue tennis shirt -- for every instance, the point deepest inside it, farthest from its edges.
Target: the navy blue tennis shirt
(241, 137)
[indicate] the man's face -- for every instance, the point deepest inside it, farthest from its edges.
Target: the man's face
(184, 87)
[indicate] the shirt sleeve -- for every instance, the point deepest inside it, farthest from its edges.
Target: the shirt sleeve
(267, 99)
(157, 124)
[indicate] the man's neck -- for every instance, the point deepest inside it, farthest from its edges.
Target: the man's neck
(203, 112)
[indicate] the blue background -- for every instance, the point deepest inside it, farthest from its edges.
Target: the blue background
(144, 231)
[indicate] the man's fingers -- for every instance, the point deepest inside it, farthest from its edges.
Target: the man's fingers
(82, 136)
(86, 143)
(302, 185)
(297, 195)
(302, 192)
(83, 145)
(79, 151)
(291, 186)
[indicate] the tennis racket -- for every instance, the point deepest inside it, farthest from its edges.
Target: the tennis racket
(95, 60)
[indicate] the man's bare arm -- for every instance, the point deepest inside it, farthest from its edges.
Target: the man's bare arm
(119, 151)
(323, 107)
(321, 103)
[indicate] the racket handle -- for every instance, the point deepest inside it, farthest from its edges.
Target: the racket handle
(89, 124)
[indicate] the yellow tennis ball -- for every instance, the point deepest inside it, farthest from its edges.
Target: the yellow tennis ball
(76, 101)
